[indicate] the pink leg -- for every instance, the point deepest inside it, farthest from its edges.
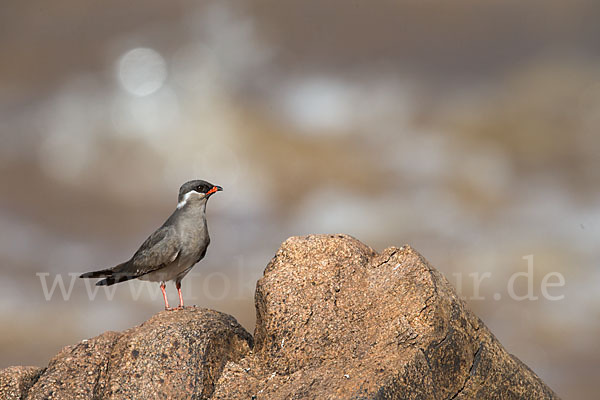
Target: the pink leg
(178, 286)
(162, 287)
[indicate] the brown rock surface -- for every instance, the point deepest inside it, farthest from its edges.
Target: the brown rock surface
(175, 354)
(337, 320)
(16, 381)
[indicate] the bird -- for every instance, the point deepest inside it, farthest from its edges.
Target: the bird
(173, 249)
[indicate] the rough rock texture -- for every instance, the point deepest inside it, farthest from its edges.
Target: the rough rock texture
(16, 381)
(337, 320)
(177, 354)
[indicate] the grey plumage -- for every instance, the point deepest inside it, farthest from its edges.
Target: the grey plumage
(172, 250)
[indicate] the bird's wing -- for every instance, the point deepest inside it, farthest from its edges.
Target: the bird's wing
(158, 251)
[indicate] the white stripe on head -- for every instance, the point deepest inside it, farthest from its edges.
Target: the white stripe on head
(186, 198)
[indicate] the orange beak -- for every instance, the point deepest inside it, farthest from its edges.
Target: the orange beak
(214, 189)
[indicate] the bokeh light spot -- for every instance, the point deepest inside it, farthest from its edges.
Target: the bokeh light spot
(142, 71)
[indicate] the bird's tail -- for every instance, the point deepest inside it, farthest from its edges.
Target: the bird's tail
(110, 274)
(115, 278)
(97, 274)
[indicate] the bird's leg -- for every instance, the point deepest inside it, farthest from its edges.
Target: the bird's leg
(178, 286)
(162, 287)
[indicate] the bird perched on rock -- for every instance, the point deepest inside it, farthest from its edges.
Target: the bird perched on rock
(173, 249)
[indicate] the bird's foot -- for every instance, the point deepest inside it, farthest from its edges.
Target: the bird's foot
(179, 308)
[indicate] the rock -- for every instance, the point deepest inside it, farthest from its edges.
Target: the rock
(75, 371)
(337, 320)
(183, 359)
(334, 320)
(16, 381)
(175, 354)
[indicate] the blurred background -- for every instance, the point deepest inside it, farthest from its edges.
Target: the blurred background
(467, 129)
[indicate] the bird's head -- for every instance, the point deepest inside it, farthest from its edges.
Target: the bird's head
(196, 190)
